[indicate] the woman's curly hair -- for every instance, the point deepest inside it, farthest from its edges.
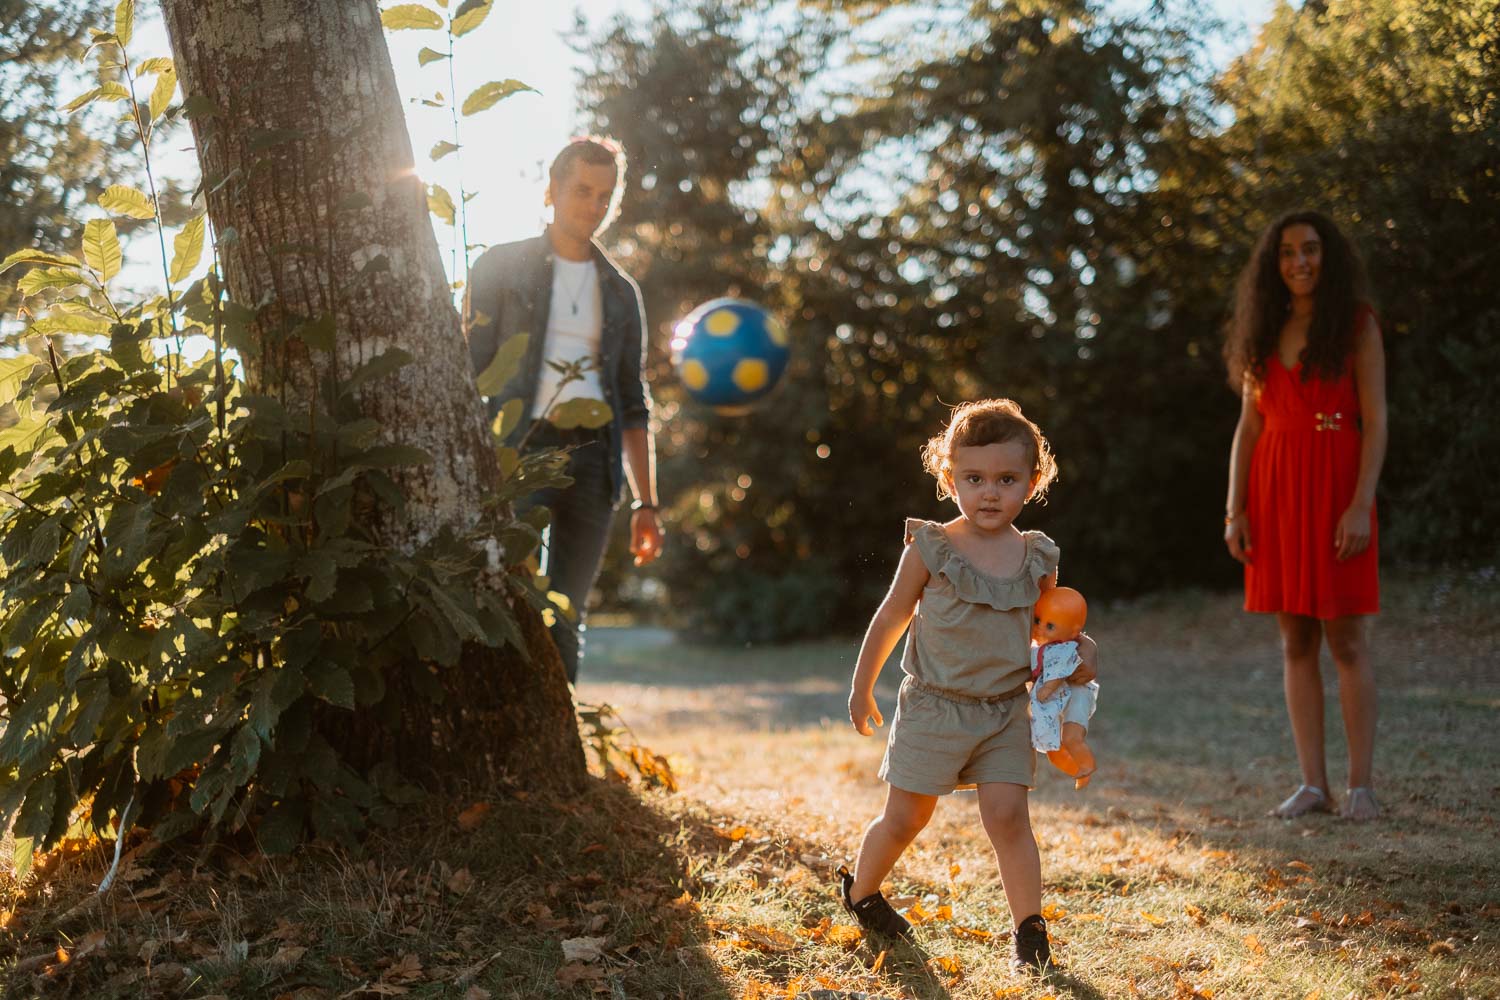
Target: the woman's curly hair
(1262, 300)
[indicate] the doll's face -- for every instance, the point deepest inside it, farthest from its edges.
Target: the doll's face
(1059, 615)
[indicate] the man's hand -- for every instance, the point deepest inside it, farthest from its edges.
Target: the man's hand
(862, 709)
(645, 536)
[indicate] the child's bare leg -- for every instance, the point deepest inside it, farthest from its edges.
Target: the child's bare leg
(1073, 742)
(888, 834)
(1007, 820)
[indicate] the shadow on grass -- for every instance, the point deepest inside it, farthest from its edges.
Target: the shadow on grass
(484, 897)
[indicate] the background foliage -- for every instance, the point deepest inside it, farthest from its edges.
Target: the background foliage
(1048, 202)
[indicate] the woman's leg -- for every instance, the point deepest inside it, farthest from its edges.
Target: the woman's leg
(1303, 684)
(888, 834)
(1007, 820)
(1348, 644)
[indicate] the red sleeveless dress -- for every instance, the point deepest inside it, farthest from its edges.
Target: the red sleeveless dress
(1302, 478)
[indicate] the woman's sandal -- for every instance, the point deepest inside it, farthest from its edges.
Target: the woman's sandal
(1360, 805)
(1306, 799)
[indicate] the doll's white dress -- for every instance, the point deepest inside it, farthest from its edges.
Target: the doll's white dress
(1069, 703)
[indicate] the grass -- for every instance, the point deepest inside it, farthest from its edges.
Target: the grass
(1163, 879)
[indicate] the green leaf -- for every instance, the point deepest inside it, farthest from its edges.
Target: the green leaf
(382, 364)
(332, 683)
(489, 94)
(38, 257)
(390, 455)
(459, 611)
(64, 322)
(13, 372)
(104, 92)
(127, 201)
(589, 413)
(21, 854)
(469, 15)
(161, 94)
(503, 366)
(187, 248)
(125, 21)
(508, 419)
(156, 64)
(410, 15)
(441, 150)
(101, 248)
(440, 203)
(318, 334)
(429, 56)
(35, 816)
(38, 278)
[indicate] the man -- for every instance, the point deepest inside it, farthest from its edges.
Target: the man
(577, 305)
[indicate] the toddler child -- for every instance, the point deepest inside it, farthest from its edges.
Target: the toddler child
(967, 589)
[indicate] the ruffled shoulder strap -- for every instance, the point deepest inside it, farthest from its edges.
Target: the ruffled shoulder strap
(942, 559)
(930, 541)
(1042, 555)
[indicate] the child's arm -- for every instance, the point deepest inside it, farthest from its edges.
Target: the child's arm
(890, 620)
(1088, 661)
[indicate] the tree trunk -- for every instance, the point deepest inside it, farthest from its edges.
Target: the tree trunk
(306, 158)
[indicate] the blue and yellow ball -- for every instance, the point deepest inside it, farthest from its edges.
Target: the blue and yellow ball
(729, 354)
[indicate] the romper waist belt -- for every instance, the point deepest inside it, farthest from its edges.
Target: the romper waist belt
(1014, 692)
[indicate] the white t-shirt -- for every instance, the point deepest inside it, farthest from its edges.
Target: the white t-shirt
(575, 325)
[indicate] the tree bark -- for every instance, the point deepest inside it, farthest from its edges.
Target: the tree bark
(305, 155)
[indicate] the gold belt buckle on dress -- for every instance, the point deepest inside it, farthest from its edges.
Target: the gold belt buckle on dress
(1329, 421)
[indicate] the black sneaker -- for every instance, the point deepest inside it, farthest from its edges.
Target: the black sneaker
(1033, 950)
(874, 913)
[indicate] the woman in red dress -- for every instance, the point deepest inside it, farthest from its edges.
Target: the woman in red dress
(1304, 351)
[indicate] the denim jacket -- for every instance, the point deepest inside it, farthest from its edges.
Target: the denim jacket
(510, 288)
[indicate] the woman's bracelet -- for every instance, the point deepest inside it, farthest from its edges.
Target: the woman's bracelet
(1229, 518)
(638, 505)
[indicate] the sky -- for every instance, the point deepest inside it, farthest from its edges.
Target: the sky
(505, 148)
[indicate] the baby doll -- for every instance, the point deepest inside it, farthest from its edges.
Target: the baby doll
(1060, 711)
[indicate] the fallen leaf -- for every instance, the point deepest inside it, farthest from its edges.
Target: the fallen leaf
(287, 956)
(407, 970)
(768, 939)
(577, 972)
(735, 833)
(1301, 866)
(1314, 994)
(1253, 943)
(1053, 912)
(470, 818)
(844, 935)
(1195, 913)
(460, 882)
(583, 949)
(1151, 918)
(973, 933)
(476, 993)
(949, 964)
(879, 962)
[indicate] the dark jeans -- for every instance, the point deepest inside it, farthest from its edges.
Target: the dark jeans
(574, 544)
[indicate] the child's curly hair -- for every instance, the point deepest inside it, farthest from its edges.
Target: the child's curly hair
(988, 421)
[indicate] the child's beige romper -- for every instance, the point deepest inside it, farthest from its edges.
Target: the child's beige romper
(961, 717)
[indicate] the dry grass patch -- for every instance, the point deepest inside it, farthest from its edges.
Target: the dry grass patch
(1163, 880)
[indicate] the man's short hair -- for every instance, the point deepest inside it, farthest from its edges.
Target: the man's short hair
(595, 151)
